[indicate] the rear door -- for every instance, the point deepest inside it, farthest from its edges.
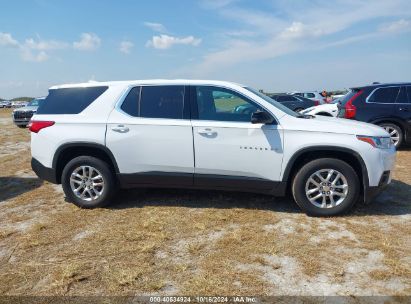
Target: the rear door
(230, 151)
(150, 135)
(380, 103)
(403, 108)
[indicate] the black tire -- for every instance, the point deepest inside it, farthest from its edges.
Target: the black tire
(22, 126)
(110, 186)
(302, 176)
(387, 125)
(298, 110)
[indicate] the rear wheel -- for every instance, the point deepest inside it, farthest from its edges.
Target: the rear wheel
(326, 187)
(395, 133)
(88, 182)
(298, 110)
(22, 126)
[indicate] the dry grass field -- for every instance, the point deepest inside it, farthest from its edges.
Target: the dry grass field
(194, 242)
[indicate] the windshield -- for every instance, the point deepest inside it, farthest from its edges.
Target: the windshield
(35, 103)
(273, 102)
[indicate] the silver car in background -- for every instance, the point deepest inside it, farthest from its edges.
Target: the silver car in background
(22, 116)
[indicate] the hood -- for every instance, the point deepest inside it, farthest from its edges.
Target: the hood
(332, 125)
(26, 109)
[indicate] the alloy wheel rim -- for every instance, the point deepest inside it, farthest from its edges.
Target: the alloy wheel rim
(394, 134)
(326, 188)
(87, 183)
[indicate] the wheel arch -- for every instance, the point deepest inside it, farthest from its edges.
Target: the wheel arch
(391, 120)
(67, 152)
(305, 155)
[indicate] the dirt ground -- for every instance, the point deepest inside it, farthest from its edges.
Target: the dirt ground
(194, 242)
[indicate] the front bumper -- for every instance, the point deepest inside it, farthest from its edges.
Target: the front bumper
(371, 192)
(21, 118)
(47, 174)
(21, 122)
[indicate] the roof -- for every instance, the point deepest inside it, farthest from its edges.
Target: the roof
(146, 82)
(377, 85)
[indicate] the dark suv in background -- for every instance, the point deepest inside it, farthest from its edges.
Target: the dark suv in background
(295, 102)
(387, 105)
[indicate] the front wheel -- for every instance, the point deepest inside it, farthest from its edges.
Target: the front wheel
(88, 182)
(326, 187)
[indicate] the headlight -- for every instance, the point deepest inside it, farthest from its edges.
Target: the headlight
(376, 141)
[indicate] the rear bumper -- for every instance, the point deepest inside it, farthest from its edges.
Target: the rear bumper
(47, 174)
(371, 192)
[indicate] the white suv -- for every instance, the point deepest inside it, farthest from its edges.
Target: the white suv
(94, 138)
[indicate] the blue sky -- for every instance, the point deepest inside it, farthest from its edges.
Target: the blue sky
(275, 45)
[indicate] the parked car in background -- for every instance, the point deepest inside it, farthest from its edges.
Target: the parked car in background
(328, 109)
(313, 95)
(22, 116)
(387, 105)
(95, 137)
(5, 104)
(16, 105)
(295, 102)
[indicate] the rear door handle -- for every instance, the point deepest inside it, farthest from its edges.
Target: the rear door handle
(207, 132)
(120, 129)
(405, 109)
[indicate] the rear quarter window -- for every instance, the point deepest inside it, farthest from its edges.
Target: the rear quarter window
(70, 100)
(384, 95)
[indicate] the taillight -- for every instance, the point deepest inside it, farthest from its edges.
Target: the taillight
(350, 109)
(36, 125)
(316, 102)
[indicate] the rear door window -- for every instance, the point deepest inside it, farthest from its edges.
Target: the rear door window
(162, 102)
(402, 96)
(309, 95)
(408, 89)
(70, 100)
(384, 95)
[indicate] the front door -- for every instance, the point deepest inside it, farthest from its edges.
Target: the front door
(230, 151)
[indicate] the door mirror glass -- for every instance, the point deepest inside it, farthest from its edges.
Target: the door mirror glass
(261, 117)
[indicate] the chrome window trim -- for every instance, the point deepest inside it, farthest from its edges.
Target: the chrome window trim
(387, 103)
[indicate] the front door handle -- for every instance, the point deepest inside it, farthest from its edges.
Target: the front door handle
(404, 109)
(207, 132)
(120, 129)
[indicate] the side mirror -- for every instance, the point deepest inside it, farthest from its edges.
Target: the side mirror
(261, 117)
